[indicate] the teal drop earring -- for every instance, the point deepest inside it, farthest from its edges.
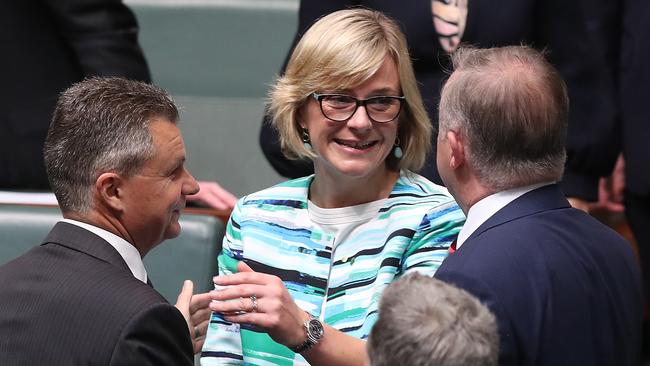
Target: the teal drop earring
(397, 151)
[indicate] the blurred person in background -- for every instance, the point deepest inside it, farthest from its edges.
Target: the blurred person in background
(48, 45)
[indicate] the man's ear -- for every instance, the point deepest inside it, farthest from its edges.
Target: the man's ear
(457, 146)
(109, 190)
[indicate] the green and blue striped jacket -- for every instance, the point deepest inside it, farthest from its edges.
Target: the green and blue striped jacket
(271, 231)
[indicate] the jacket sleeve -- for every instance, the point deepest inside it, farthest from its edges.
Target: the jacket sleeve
(223, 345)
(310, 11)
(103, 35)
(157, 336)
(430, 243)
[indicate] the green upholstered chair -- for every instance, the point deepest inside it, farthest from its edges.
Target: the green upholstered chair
(217, 59)
(192, 255)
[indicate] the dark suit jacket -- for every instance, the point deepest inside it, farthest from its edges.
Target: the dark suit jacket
(565, 289)
(46, 46)
(74, 301)
(635, 95)
(562, 27)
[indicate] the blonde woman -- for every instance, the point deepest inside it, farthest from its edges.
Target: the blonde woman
(304, 263)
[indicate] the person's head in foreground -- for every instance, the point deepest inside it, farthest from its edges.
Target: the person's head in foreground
(115, 159)
(349, 101)
(503, 120)
(426, 322)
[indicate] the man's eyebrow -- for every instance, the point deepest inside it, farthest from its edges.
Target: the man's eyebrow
(178, 162)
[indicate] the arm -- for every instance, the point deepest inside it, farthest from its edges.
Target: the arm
(430, 244)
(579, 39)
(103, 35)
(281, 318)
(213, 195)
(223, 345)
(156, 336)
(310, 11)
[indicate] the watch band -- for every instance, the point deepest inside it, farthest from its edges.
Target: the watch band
(314, 330)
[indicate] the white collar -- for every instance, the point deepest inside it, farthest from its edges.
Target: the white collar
(482, 210)
(128, 252)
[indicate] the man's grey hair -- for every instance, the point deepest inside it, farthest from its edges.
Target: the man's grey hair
(101, 125)
(512, 107)
(426, 322)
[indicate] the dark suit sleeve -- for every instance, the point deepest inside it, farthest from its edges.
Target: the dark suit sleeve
(103, 34)
(577, 47)
(310, 11)
(156, 336)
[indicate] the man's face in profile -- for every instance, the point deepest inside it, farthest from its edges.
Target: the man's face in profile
(154, 197)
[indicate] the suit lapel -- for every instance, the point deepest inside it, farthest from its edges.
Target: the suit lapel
(82, 240)
(545, 198)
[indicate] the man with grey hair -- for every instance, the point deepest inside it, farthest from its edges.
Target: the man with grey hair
(564, 288)
(114, 159)
(426, 322)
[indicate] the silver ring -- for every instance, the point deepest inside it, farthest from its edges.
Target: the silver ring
(197, 333)
(254, 301)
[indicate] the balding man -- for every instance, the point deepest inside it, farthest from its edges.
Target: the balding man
(565, 289)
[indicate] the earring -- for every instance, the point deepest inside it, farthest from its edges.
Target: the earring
(397, 151)
(305, 139)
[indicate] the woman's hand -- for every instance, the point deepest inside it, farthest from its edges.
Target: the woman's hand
(211, 194)
(261, 300)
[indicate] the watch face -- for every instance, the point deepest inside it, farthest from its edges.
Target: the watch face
(315, 329)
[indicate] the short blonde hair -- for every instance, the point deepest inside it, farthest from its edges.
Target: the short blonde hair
(341, 51)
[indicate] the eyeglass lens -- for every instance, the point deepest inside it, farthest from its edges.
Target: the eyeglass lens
(342, 107)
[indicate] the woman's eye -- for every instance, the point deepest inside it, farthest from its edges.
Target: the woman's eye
(339, 100)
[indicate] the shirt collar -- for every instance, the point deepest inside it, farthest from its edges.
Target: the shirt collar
(127, 251)
(482, 210)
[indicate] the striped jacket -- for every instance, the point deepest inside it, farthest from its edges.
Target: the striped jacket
(271, 231)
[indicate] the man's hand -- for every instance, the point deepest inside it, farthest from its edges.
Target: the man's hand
(611, 190)
(579, 203)
(213, 195)
(196, 313)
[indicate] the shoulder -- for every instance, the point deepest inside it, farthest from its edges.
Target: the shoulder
(291, 192)
(432, 202)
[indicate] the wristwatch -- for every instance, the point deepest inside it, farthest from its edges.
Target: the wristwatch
(315, 332)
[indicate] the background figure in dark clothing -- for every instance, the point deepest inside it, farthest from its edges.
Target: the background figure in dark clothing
(635, 95)
(48, 45)
(433, 28)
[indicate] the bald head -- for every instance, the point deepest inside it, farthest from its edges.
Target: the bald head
(511, 106)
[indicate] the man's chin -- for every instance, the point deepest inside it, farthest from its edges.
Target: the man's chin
(174, 228)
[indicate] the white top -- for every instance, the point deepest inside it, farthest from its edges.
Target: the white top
(128, 252)
(482, 210)
(341, 222)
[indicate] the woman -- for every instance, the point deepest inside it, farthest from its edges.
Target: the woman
(576, 34)
(304, 263)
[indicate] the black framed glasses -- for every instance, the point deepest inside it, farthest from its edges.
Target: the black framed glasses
(341, 107)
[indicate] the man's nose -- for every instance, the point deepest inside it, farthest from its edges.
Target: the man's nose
(191, 186)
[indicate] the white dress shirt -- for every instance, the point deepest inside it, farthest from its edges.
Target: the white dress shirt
(482, 210)
(127, 251)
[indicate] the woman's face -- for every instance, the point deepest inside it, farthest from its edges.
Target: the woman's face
(357, 147)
